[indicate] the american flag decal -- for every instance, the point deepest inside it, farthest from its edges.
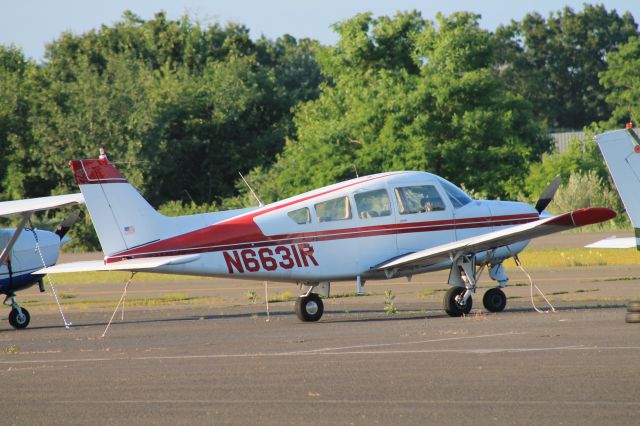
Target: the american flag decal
(129, 230)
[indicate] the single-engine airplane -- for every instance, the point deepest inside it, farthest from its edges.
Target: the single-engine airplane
(621, 152)
(23, 253)
(374, 227)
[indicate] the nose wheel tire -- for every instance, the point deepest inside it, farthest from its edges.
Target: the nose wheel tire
(452, 305)
(18, 320)
(494, 300)
(309, 308)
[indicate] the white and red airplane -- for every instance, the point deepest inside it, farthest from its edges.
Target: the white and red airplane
(621, 152)
(375, 227)
(23, 250)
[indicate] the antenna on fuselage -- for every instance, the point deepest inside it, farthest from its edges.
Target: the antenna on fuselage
(356, 169)
(260, 203)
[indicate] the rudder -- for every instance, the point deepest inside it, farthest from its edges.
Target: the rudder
(122, 218)
(621, 152)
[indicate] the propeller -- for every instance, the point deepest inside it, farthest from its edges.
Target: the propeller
(547, 194)
(65, 225)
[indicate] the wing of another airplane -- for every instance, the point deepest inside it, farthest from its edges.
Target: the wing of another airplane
(501, 238)
(124, 265)
(615, 243)
(42, 203)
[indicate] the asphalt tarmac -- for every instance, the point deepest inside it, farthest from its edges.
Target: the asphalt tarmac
(218, 361)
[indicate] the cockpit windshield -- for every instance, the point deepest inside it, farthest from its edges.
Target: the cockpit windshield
(457, 196)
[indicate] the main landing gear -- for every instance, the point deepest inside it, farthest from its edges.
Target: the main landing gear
(309, 306)
(18, 317)
(464, 280)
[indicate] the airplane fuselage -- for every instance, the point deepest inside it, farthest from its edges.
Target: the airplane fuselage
(25, 258)
(336, 232)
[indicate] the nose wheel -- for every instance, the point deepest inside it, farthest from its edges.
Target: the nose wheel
(453, 302)
(309, 308)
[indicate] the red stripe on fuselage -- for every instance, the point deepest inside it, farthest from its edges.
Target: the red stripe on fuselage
(242, 232)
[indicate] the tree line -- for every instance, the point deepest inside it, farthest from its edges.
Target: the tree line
(182, 107)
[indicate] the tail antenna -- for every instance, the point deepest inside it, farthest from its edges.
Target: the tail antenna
(260, 203)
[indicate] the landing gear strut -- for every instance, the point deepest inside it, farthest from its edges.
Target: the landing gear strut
(18, 317)
(463, 278)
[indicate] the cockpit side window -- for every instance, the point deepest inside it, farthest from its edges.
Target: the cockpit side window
(372, 204)
(456, 195)
(419, 199)
(301, 216)
(336, 209)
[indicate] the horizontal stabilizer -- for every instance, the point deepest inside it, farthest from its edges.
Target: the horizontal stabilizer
(124, 265)
(41, 203)
(502, 237)
(615, 243)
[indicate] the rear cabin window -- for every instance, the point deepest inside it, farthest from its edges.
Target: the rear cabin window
(301, 216)
(372, 204)
(419, 199)
(457, 196)
(336, 209)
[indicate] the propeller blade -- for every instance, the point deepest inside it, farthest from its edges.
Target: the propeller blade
(548, 194)
(65, 225)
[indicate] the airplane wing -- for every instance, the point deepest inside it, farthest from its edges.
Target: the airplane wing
(28, 206)
(125, 265)
(36, 204)
(616, 243)
(501, 238)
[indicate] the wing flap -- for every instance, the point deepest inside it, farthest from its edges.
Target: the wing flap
(124, 265)
(41, 203)
(503, 237)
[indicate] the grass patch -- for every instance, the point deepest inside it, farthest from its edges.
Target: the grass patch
(97, 277)
(351, 294)
(67, 295)
(426, 293)
(285, 296)
(165, 299)
(587, 291)
(620, 279)
(574, 257)
(11, 349)
(555, 293)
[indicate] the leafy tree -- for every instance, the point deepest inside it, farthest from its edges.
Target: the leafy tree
(406, 94)
(555, 62)
(622, 81)
(14, 113)
(581, 157)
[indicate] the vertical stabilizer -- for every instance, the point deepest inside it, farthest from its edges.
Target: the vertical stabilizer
(122, 218)
(621, 151)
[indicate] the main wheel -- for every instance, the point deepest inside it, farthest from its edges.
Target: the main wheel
(633, 317)
(494, 300)
(17, 320)
(451, 305)
(309, 308)
(633, 306)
